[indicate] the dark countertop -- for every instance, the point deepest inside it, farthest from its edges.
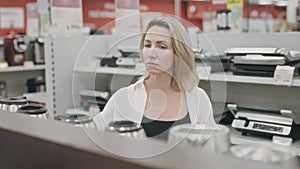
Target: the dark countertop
(28, 142)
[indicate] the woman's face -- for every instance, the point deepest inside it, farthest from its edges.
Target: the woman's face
(158, 53)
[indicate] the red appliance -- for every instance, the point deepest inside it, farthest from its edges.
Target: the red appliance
(15, 48)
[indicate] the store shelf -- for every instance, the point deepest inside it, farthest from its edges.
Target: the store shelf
(40, 97)
(109, 70)
(22, 68)
(220, 76)
(229, 77)
(79, 110)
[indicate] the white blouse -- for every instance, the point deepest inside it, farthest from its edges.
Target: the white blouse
(128, 103)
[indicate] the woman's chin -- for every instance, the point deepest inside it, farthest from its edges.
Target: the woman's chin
(154, 71)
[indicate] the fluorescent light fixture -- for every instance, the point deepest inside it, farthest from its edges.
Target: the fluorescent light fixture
(280, 3)
(269, 2)
(265, 2)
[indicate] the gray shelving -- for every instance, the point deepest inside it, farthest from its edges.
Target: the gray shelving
(73, 67)
(17, 76)
(220, 76)
(22, 68)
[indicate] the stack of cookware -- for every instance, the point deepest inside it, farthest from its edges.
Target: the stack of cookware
(21, 105)
(12, 104)
(34, 110)
(126, 128)
(79, 120)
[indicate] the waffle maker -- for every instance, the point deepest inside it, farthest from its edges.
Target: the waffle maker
(261, 61)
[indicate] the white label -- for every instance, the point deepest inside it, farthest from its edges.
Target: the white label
(284, 75)
(286, 141)
(203, 71)
(18, 58)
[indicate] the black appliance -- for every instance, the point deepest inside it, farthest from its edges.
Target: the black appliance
(129, 57)
(36, 84)
(36, 46)
(109, 61)
(264, 123)
(2, 55)
(3, 91)
(218, 63)
(262, 61)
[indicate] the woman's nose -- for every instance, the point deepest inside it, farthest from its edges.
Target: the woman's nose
(150, 52)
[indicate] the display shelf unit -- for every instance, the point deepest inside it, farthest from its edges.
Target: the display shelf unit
(217, 76)
(64, 54)
(68, 73)
(17, 76)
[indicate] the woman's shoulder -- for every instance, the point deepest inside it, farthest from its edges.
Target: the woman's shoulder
(197, 90)
(121, 91)
(128, 89)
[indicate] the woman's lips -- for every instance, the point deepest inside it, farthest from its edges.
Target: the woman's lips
(152, 64)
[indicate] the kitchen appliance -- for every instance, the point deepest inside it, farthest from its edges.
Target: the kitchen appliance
(36, 84)
(12, 104)
(126, 128)
(2, 54)
(224, 19)
(218, 63)
(79, 120)
(15, 48)
(90, 98)
(3, 91)
(129, 57)
(262, 61)
(263, 123)
(109, 61)
(36, 50)
(201, 136)
(34, 110)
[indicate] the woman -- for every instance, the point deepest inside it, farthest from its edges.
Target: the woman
(168, 95)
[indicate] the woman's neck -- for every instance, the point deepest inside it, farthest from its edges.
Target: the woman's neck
(161, 81)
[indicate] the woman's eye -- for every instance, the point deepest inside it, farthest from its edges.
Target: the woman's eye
(147, 45)
(162, 47)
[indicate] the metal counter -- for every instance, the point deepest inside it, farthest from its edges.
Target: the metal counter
(28, 142)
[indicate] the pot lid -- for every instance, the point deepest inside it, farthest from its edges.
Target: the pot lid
(19, 100)
(123, 126)
(33, 109)
(74, 118)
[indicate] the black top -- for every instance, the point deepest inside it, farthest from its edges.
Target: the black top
(160, 129)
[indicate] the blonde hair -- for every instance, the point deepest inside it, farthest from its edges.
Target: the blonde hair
(185, 75)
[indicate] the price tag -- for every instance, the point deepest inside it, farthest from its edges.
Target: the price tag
(203, 71)
(284, 75)
(285, 141)
(28, 64)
